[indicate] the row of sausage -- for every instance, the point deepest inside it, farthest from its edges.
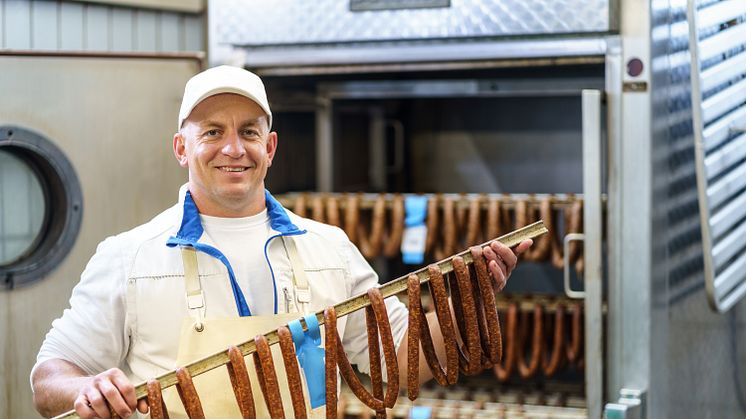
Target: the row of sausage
(527, 343)
(350, 408)
(479, 346)
(453, 223)
(539, 343)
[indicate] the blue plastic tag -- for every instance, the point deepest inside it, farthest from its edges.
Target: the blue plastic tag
(415, 231)
(420, 412)
(311, 357)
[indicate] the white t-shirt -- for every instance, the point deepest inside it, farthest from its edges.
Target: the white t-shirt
(242, 241)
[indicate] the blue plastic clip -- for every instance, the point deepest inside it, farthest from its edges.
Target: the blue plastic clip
(311, 357)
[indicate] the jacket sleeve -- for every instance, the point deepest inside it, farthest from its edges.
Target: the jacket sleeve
(91, 333)
(355, 337)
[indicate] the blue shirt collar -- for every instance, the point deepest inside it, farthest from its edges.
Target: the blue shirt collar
(191, 226)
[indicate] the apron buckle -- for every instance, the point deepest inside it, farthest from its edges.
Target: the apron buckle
(303, 295)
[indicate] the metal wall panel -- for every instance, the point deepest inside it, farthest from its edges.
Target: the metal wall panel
(193, 29)
(77, 26)
(97, 28)
(122, 30)
(44, 28)
(17, 26)
(170, 33)
(69, 100)
(146, 24)
(71, 26)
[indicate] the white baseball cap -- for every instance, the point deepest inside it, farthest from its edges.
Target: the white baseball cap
(223, 79)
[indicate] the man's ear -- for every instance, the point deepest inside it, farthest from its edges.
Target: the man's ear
(271, 147)
(180, 149)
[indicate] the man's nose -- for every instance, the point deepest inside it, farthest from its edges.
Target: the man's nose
(233, 146)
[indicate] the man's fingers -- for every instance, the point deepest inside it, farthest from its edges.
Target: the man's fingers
(98, 404)
(142, 406)
(498, 274)
(523, 246)
(125, 388)
(82, 408)
(503, 252)
(113, 397)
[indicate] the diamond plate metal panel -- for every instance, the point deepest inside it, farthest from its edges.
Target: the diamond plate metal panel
(282, 22)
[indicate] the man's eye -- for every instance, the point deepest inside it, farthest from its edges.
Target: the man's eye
(250, 133)
(211, 133)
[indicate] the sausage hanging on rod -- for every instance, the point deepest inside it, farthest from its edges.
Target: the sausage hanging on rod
(370, 245)
(377, 321)
(377, 311)
(491, 336)
(287, 348)
(530, 368)
(317, 208)
(575, 226)
(543, 247)
(449, 236)
(332, 211)
(574, 346)
(552, 360)
(299, 208)
(393, 241)
(464, 307)
(188, 394)
(494, 214)
(443, 313)
(521, 216)
(374, 354)
(432, 224)
(504, 369)
(352, 217)
(239, 377)
(330, 367)
(265, 373)
(474, 221)
(155, 401)
(413, 337)
(557, 238)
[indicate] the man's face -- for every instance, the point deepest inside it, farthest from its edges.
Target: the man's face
(227, 147)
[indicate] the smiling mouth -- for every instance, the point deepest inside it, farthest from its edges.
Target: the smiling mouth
(233, 169)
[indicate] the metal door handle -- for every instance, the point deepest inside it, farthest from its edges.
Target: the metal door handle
(569, 291)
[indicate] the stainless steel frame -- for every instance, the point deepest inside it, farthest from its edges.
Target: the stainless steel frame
(593, 227)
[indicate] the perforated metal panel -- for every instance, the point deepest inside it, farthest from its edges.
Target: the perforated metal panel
(271, 22)
(717, 32)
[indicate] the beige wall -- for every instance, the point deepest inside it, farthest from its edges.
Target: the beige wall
(114, 119)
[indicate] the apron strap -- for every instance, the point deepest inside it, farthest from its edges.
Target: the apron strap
(300, 282)
(194, 294)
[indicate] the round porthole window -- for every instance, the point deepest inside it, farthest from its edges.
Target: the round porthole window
(41, 206)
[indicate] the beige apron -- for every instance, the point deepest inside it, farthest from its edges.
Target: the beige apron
(201, 337)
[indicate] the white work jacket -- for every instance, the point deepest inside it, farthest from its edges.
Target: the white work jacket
(128, 308)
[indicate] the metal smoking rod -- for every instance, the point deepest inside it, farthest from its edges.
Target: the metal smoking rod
(344, 308)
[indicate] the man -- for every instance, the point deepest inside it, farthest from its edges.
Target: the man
(229, 238)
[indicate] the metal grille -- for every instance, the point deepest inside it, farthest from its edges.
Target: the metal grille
(717, 33)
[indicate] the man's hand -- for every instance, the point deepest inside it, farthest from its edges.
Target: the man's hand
(501, 260)
(60, 385)
(110, 388)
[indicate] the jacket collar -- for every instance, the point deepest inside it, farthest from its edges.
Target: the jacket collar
(191, 227)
